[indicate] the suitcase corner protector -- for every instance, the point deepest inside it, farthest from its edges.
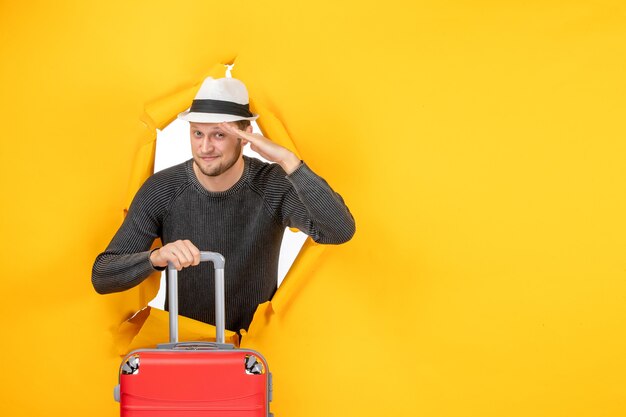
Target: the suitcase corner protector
(116, 393)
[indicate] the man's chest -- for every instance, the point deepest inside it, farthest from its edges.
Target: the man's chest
(219, 220)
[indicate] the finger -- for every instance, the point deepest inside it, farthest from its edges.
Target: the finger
(195, 252)
(184, 256)
(184, 253)
(170, 254)
(231, 129)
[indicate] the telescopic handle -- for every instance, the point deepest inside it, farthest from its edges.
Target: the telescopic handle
(220, 315)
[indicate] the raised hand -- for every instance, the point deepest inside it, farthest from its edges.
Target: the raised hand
(269, 150)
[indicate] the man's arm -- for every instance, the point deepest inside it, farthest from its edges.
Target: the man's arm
(113, 272)
(127, 261)
(311, 205)
(269, 150)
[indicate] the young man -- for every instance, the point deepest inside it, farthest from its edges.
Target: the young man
(225, 202)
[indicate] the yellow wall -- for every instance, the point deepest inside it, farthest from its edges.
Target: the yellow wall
(480, 146)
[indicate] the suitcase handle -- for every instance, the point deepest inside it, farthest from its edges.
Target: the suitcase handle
(196, 346)
(172, 275)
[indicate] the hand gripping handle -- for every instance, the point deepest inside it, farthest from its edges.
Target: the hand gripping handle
(172, 273)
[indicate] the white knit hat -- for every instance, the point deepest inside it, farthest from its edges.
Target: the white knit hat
(219, 100)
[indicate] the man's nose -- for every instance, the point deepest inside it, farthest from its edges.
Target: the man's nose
(206, 145)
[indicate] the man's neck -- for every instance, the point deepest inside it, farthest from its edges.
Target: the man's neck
(223, 181)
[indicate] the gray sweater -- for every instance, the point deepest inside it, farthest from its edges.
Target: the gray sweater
(244, 223)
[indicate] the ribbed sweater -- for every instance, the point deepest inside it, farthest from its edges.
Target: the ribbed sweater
(244, 223)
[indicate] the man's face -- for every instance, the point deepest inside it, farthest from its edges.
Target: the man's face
(214, 151)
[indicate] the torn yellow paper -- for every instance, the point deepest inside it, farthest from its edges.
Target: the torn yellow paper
(150, 327)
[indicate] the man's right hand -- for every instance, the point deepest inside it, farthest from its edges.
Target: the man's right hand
(181, 253)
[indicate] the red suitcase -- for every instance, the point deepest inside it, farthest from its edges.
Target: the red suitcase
(195, 378)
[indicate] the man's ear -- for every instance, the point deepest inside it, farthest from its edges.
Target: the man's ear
(248, 129)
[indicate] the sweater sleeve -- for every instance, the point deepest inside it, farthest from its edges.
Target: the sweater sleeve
(313, 207)
(125, 263)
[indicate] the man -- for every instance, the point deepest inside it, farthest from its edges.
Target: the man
(226, 202)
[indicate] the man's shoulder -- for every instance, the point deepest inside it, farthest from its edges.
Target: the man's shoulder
(261, 172)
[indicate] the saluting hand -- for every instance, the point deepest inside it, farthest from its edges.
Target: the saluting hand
(269, 150)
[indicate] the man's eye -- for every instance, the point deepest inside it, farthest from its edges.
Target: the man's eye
(197, 133)
(220, 135)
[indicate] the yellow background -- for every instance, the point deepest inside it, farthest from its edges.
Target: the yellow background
(479, 144)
